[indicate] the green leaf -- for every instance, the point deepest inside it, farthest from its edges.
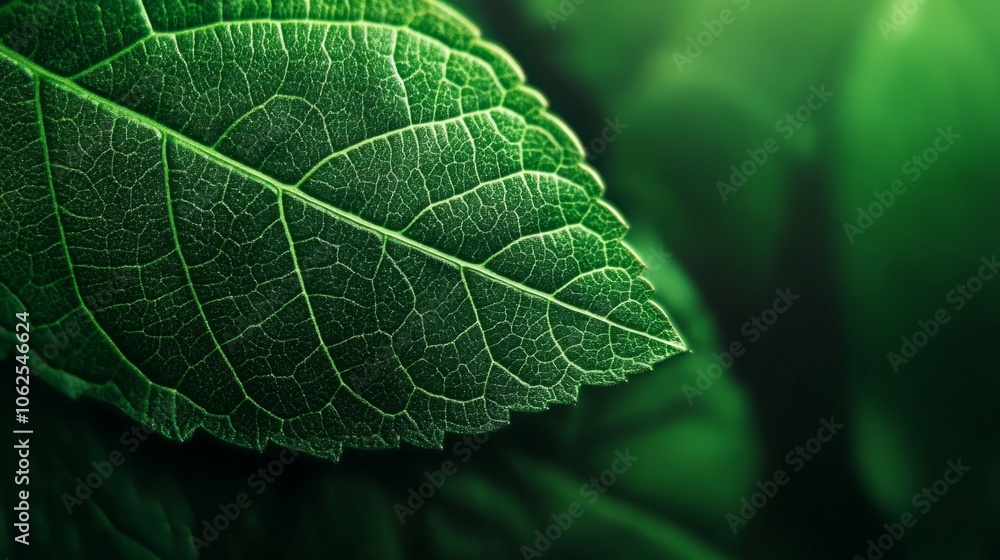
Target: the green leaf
(695, 461)
(314, 223)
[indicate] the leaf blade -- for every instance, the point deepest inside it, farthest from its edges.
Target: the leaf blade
(277, 246)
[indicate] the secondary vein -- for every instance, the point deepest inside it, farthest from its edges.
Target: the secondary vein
(292, 190)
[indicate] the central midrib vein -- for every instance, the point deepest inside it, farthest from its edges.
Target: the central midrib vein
(291, 190)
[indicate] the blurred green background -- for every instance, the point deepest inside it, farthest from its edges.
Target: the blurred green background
(827, 108)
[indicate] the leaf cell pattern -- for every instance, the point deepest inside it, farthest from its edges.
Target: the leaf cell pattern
(329, 223)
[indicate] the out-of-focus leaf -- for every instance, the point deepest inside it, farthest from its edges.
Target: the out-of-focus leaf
(931, 72)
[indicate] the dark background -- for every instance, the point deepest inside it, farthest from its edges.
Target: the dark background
(716, 264)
